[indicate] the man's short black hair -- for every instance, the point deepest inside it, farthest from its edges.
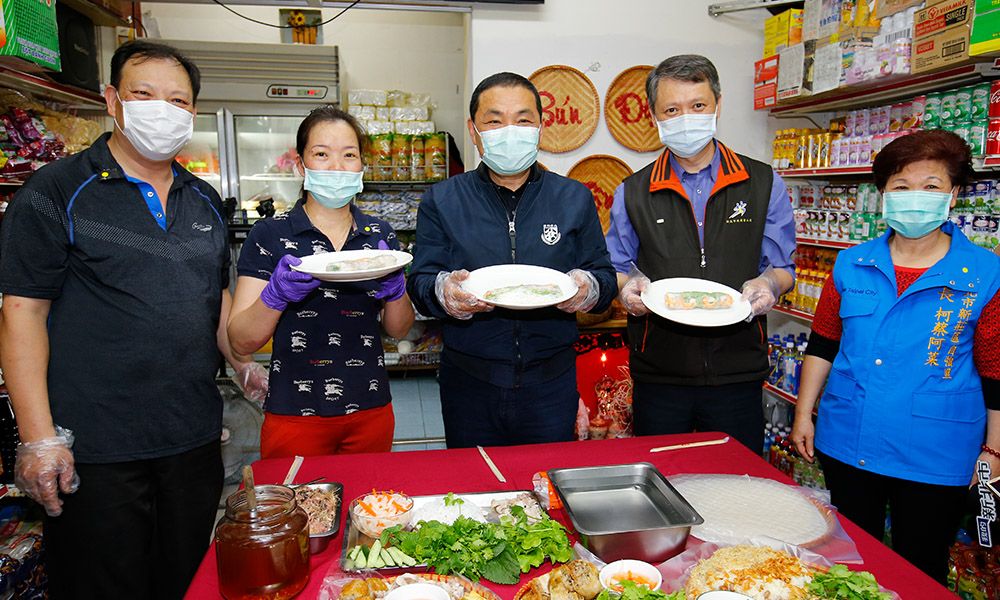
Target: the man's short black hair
(143, 50)
(505, 79)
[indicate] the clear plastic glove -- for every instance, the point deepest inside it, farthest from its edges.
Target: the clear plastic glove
(45, 467)
(631, 294)
(453, 299)
(252, 379)
(287, 285)
(392, 286)
(586, 295)
(762, 291)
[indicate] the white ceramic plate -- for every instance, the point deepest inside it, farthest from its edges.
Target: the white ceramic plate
(481, 281)
(316, 265)
(653, 298)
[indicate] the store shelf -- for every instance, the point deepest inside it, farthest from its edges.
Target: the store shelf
(886, 90)
(75, 98)
(825, 172)
(825, 243)
(780, 393)
(9, 490)
(11, 182)
(271, 177)
(98, 14)
(987, 163)
(794, 313)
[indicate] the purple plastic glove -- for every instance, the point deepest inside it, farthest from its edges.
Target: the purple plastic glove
(286, 285)
(391, 287)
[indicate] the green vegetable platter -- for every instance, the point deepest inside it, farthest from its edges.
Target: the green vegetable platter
(481, 536)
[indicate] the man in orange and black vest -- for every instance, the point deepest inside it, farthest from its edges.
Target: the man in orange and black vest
(702, 211)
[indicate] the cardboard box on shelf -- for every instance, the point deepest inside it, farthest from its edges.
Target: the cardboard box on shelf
(765, 83)
(810, 20)
(829, 18)
(886, 8)
(942, 16)
(985, 36)
(28, 31)
(782, 30)
(950, 47)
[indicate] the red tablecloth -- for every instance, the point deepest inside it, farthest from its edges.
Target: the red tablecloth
(440, 471)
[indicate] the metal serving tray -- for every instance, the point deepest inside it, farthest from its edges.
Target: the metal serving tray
(353, 536)
(625, 511)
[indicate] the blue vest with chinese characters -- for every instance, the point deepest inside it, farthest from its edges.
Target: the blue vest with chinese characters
(904, 397)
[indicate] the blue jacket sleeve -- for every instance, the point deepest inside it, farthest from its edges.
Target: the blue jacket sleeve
(430, 257)
(594, 256)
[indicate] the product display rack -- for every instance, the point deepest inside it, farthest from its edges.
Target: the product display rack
(980, 164)
(794, 313)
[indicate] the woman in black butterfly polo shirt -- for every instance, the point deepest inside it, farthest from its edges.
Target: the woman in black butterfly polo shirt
(329, 391)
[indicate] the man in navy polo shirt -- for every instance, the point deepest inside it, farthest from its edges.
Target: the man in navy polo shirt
(114, 272)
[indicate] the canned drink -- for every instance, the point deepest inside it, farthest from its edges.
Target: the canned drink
(994, 108)
(962, 130)
(932, 110)
(896, 117)
(917, 111)
(993, 138)
(980, 101)
(977, 136)
(948, 101)
(963, 104)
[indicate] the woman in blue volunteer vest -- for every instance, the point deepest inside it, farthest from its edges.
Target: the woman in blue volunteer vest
(907, 338)
(329, 390)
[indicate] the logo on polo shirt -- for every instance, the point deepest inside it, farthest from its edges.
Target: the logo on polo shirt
(373, 385)
(201, 227)
(738, 211)
(298, 341)
(303, 385)
(333, 388)
(333, 339)
(289, 244)
(355, 362)
(368, 341)
(550, 234)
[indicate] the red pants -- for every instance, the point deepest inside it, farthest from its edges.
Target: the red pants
(364, 431)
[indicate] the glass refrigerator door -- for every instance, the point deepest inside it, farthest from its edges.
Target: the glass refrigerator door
(201, 155)
(265, 152)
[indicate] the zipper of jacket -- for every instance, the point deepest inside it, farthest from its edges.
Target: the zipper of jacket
(701, 247)
(512, 234)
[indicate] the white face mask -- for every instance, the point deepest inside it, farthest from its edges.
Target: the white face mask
(686, 135)
(156, 128)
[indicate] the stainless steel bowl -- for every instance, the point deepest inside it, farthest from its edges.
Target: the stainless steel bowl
(319, 541)
(625, 511)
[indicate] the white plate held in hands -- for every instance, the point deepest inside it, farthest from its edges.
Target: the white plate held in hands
(317, 265)
(653, 298)
(482, 281)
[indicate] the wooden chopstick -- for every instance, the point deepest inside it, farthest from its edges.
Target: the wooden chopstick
(690, 445)
(491, 465)
(293, 470)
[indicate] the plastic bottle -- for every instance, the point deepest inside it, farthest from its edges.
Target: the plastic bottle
(788, 367)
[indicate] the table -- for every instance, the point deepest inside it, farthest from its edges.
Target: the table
(439, 471)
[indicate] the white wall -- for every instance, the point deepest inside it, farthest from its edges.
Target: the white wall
(604, 37)
(380, 49)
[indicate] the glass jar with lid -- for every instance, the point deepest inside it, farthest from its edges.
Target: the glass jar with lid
(263, 553)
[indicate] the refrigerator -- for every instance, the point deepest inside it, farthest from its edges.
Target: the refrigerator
(252, 99)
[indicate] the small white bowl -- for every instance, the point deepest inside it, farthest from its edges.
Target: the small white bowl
(615, 570)
(418, 591)
(723, 595)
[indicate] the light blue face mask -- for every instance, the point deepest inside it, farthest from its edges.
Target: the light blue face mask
(915, 213)
(510, 150)
(333, 189)
(686, 135)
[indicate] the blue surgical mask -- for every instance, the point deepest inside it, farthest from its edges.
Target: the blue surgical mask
(333, 189)
(686, 135)
(510, 150)
(915, 213)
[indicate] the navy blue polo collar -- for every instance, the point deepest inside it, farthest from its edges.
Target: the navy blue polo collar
(484, 173)
(104, 165)
(300, 223)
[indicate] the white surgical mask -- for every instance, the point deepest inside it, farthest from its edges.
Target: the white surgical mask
(156, 128)
(686, 135)
(510, 150)
(333, 189)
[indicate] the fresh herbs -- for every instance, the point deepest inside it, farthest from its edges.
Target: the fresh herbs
(633, 591)
(498, 552)
(841, 583)
(451, 499)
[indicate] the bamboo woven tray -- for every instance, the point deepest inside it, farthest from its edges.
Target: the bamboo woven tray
(571, 107)
(626, 111)
(601, 173)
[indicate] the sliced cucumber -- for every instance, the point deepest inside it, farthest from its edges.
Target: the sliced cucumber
(373, 556)
(387, 558)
